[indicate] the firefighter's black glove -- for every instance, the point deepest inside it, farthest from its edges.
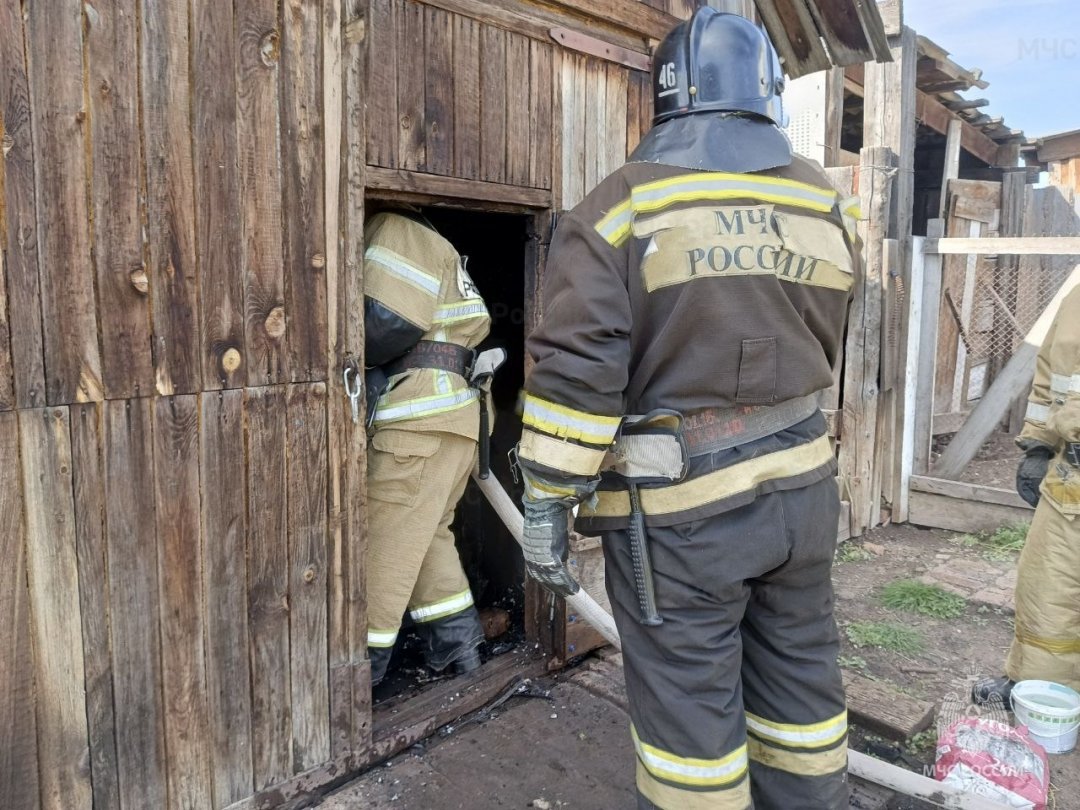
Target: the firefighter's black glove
(547, 544)
(1032, 471)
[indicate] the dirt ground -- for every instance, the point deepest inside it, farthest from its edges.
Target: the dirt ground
(573, 750)
(993, 466)
(956, 651)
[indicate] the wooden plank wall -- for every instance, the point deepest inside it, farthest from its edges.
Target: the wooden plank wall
(179, 493)
(453, 96)
(606, 108)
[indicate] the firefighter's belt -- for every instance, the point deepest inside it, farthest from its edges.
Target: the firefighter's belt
(433, 354)
(656, 448)
(1072, 453)
(648, 449)
(714, 429)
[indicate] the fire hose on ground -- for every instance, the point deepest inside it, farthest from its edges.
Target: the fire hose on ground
(860, 765)
(583, 604)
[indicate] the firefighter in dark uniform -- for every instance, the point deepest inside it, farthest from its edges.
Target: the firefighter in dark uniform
(422, 317)
(710, 278)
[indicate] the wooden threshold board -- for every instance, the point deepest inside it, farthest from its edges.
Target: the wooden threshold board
(394, 731)
(882, 709)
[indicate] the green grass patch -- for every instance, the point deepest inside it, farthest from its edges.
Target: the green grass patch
(851, 662)
(999, 546)
(923, 745)
(919, 597)
(885, 636)
(851, 552)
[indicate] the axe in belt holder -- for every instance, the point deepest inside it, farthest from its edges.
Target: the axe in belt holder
(649, 449)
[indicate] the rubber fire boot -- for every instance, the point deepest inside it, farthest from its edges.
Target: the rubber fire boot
(992, 690)
(380, 660)
(453, 640)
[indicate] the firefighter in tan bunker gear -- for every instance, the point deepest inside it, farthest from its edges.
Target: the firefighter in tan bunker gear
(710, 276)
(422, 316)
(1046, 643)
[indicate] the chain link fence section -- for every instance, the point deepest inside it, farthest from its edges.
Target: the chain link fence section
(1010, 293)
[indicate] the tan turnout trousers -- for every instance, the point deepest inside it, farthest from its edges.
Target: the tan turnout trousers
(415, 481)
(1046, 644)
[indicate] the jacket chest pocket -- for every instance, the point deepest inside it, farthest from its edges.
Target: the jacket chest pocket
(396, 461)
(757, 372)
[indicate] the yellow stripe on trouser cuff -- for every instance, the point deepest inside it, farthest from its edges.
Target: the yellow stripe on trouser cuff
(735, 797)
(443, 608)
(711, 186)
(1051, 645)
(560, 455)
(569, 423)
(715, 486)
(688, 771)
(812, 735)
(423, 406)
(381, 638)
(800, 763)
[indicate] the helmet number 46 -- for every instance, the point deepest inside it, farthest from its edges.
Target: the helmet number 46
(667, 75)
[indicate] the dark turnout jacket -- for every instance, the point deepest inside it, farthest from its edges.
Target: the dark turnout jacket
(688, 290)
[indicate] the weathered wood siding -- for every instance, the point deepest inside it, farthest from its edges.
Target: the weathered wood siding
(455, 96)
(178, 493)
(182, 192)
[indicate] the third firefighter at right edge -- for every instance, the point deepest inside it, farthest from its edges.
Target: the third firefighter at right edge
(709, 276)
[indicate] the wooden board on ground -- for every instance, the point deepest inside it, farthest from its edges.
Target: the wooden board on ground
(879, 707)
(962, 515)
(965, 491)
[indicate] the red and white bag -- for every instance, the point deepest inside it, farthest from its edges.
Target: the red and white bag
(990, 759)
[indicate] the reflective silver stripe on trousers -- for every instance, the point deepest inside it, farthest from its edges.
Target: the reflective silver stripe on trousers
(724, 429)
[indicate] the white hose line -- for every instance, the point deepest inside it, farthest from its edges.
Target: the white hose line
(581, 603)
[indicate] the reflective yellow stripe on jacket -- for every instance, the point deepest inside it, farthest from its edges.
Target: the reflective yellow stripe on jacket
(564, 438)
(396, 411)
(711, 187)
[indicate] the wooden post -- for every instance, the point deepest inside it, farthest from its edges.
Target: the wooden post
(923, 419)
(349, 445)
(905, 439)
(863, 350)
(952, 163)
(834, 115)
(889, 121)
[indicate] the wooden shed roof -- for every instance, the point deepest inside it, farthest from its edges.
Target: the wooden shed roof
(809, 35)
(939, 82)
(1051, 148)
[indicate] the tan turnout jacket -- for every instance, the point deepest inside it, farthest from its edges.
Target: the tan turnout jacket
(416, 273)
(1053, 412)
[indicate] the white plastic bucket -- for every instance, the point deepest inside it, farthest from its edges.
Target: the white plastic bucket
(1051, 712)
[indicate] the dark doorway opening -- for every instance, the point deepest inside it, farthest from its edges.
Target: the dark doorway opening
(496, 248)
